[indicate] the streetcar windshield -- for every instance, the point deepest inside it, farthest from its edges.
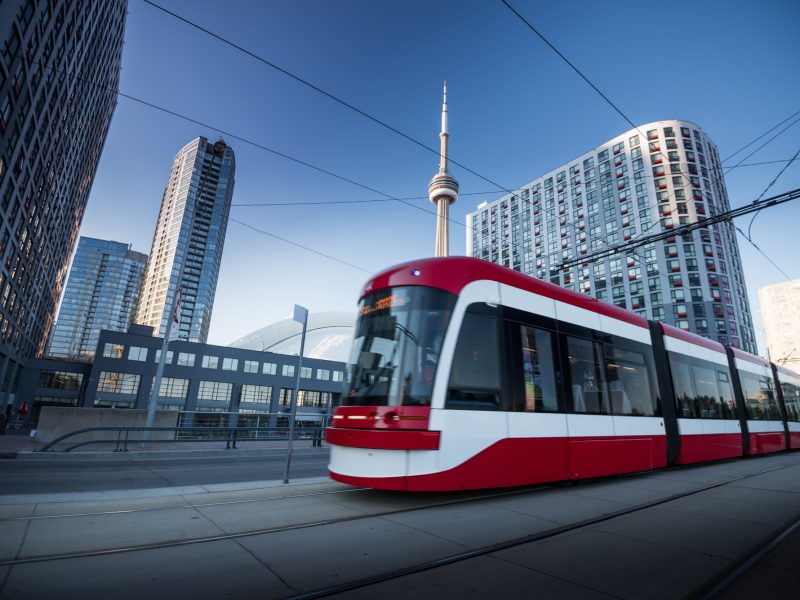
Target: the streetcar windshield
(398, 338)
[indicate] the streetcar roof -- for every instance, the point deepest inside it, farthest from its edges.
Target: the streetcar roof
(453, 273)
(692, 338)
(741, 354)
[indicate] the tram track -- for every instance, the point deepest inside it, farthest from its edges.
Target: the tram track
(725, 578)
(178, 507)
(728, 578)
(379, 578)
(245, 534)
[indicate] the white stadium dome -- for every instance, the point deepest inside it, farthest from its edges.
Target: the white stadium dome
(329, 336)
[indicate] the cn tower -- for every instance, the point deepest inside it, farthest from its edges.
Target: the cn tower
(443, 189)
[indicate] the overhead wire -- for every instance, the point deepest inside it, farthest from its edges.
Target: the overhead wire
(629, 121)
(340, 101)
(323, 202)
(761, 136)
(763, 193)
(232, 135)
(789, 126)
(288, 241)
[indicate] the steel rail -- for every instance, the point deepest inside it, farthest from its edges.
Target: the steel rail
(527, 539)
(740, 568)
(181, 506)
(401, 572)
(256, 532)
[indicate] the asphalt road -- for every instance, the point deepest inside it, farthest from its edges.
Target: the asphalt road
(19, 476)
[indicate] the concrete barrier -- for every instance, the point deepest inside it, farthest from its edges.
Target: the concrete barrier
(55, 421)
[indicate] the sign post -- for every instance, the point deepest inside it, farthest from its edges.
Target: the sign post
(301, 316)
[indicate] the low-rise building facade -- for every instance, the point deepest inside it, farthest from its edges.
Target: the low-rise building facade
(198, 379)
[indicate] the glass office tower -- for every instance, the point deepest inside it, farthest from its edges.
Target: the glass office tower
(645, 181)
(59, 64)
(188, 240)
(101, 293)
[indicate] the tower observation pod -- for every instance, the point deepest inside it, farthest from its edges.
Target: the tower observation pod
(443, 189)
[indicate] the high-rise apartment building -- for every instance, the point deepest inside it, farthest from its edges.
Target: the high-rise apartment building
(101, 293)
(780, 309)
(188, 240)
(633, 185)
(59, 64)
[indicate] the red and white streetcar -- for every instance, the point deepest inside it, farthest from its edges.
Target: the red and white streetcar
(468, 375)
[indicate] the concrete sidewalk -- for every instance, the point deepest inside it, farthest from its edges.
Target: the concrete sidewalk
(331, 534)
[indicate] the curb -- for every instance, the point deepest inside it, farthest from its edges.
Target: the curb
(147, 454)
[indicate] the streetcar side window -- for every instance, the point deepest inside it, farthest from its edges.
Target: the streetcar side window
(702, 389)
(587, 376)
(791, 399)
(683, 385)
(759, 398)
(475, 375)
(631, 380)
(707, 392)
(538, 370)
(727, 401)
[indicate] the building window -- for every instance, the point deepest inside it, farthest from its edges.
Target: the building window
(269, 368)
(230, 364)
(338, 375)
(60, 380)
(259, 394)
(214, 390)
(306, 372)
(286, 397)
(313, 399)
(113, 350)
(287, 371)
(173, 388)
(118, 383)
(210, 362)
(323, 374)
(137, 353)
(185, 359)
(251, 366)
(169, 357)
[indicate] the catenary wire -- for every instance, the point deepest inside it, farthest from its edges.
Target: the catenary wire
(397, 131)
(240, 138)
(629, 121)
(762, 253)
(283, 239)
(761, 136)
(358, 201)
(344, 103)
(257, 145)
(386, 125)
(689, 227)
(789, 126)
(766, 189)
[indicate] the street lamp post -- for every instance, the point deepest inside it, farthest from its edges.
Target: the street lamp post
(301, 316)
(171, 333)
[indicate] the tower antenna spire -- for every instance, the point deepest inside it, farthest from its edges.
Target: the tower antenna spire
(443, 188)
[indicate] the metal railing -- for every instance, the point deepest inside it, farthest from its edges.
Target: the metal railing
(230, 435)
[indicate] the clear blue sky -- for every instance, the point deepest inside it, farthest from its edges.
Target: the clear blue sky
(516, 111)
